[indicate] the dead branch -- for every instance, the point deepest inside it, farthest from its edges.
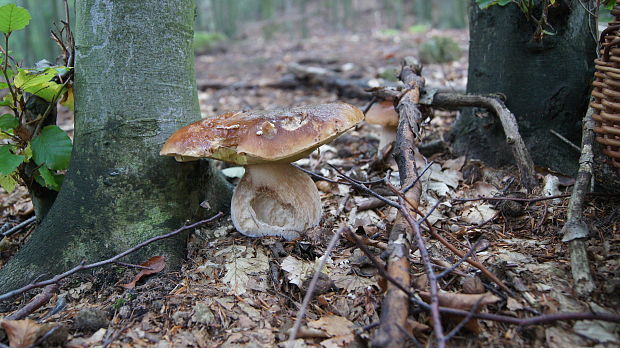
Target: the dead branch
(287, 81)
(17, 227)
(575, 231)
(313, 75)
(530, 200)
(81, 267)
(509, 123)
(394, 309)
(34, 304)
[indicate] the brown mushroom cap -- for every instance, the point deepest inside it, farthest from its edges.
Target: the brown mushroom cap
(251, 137)
(382, 114)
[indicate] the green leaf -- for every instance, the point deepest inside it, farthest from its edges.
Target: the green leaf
(27, 153)
(48, 179)
(8, 183)
(609, 4)
(52, 147)
(8, 160)
(13, 18)
(68, 99)
(38, 82)
(8, 121)
(485, 3)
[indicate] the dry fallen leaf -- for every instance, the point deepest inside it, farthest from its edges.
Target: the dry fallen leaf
(339, 328)
(21, 333)
(298, 270)
(81, 342)
(465, 302)
(239, 269)
(333, 325)
(155, 263)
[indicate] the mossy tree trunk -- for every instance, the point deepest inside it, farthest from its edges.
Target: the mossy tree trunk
(546, 82)
(135, 85)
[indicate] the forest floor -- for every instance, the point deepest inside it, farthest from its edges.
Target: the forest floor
(236, 291)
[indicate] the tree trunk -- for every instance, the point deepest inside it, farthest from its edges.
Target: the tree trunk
(135, 85)
(546, 82)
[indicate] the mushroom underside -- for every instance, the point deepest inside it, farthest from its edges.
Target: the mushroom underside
(275, 200)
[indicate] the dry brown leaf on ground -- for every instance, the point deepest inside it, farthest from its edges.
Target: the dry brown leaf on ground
(339, 328)
(240, 269)
(21, 333)
(299, 270)
(465, 302)
(155, 263)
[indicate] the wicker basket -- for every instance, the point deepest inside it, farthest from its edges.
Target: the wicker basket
(606, 91)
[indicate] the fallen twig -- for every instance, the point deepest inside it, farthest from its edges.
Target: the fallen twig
(568, 142)
(312, 286)
(34, 304)
(82, 266)
(18, 227)
(394, 309)
(531, 200)
(575, 231)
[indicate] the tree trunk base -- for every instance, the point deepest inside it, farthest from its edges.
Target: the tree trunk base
(123, 214)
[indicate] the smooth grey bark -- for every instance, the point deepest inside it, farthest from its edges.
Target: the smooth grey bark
(134, 85)
(546, 82)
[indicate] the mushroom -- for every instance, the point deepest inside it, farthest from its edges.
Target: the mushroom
(272, 198)
(384, 115)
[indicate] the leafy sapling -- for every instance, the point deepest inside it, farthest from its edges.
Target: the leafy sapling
(33, 150)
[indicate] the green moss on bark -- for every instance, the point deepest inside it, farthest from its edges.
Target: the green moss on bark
(135, 85)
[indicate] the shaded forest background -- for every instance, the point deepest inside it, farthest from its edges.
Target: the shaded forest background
(220, 21)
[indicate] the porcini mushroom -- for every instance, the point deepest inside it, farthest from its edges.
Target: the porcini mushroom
(273, 198)
(384, 116)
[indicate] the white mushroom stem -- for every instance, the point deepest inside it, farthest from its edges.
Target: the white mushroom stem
(275, 200)
(387, 135)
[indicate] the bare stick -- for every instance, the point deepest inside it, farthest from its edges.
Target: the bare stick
(82, 266)
(575, 230)
(561, 137)
(516, 199)
(18, 227)
(509, 123)
(460, 261)
(36, 302)
(312, 286)
(394, 309)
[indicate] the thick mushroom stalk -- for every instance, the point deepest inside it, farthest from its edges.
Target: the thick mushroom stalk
(384, 116)
(275, 200)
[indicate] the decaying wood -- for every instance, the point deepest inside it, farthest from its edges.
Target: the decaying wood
(313, 75)
(287, 81)
(395, 306)
(509, 123)
(575, 231)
